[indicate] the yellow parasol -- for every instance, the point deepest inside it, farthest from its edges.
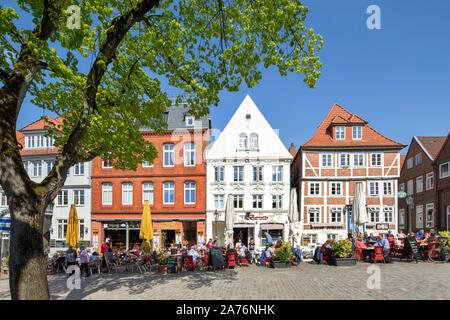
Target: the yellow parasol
(72, 227)
(146, 231)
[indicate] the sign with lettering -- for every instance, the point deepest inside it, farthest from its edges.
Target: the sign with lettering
(253, 217)
(411, 246)
(382, 226)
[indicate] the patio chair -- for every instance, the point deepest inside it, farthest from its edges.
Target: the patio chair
(190, 264)
(94, 265)
(110, 263)
(378, 254)
(141, 264)
(231, 260)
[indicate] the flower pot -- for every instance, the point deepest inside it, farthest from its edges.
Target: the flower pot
(281, 264)
(163, 268)
(343, 262)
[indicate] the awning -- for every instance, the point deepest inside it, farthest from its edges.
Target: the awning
(272, 226)
(243, 225)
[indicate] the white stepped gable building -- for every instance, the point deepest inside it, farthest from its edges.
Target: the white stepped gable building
(248, 161)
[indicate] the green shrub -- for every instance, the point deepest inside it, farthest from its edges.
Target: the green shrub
(284, 253)
(5, 262)
(342, 249)
(162, 258)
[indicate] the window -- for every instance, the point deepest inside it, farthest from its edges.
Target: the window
(258, 173)
(373, 188)
(37, 168)
(410, 187)
(401, 217)
(374, 214)
(147, 192)
(387, 188)
(78, 197)
(357, 133)
(335, 188)
(189, 192)
(376, 159)
(38, 141)
(127, 193)
(107, 193)
(429, 217)
(61, 228)
(168, 193)
(419, 217)
(401, 186)
(336, 214)
(107, 163)
(169, 155)
(388, 214)
(340, 133)
(49, 165)
(332, 236)
(444, 170)
(219, 201)
(418, 158)
(314, 188)
(189, 154)
(344, 160)
(62, 198)
(79, 169)
(358, 160)
(147, 164)
(242, 141)
(257, 201)
(314, 214)
(410, 163)
(277, 173)
(277, 201)
(238, 201)
(3, 199)
(326, 160)
(238, 173)
(219, 174)
(253, 141)
(190, 121)
(429, 181)
(25, 166)
(419, 184)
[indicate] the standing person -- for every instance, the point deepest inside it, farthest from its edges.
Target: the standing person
(84, 262)
(71, 257)
(209, 244)
(251, 249)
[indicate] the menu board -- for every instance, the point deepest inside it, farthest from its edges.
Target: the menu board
(411, 246)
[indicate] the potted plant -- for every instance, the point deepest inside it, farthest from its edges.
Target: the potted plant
(4, 265)
(343, 253)
(282, 257)
(162, 262)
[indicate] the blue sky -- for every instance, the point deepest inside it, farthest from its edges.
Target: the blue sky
(397, 78)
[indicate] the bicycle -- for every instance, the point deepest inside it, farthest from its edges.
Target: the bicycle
(438, 255)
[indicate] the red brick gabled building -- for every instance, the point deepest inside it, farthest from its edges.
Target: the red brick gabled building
(344, 150)
(174, 185)
(442, 167)
(418, 179)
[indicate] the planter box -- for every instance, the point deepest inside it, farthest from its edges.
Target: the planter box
(281, 265)
(343, 262)
(163, 269)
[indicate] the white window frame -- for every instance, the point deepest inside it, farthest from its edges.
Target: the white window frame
(429, 223)
(339, 212)
(277, 173)
(3, 199)
(410, 163)
(357, 132)
(189, 154)
(257, 199)
(388, 214)
(219, 173)
(340, 132)
(62, 199)
(106, 164)
(377, 188)
(148, 192)
(258, 173)
(107, 193)
(168, 155)
(190, 190)
(338, 186)
(238, 173)
(372, 214)
(346, 157)
(317, 214)
(39, 165)
(418, 158)
(127, 193)
(190, 121)
(401, 217)
(429, 181)
(243, 141)
(78, 169)
(419, 184)
(169, 186)
(358, 156)
(378, 156)
(238, 199)
(219, 201)
(147, 164)
(79, 197)
(419, 212)
(254, 141)
(317, 186)
(277, 201)
(443, 175)
(410, 187)
(329, 160)
(49, 164)
(388, 188)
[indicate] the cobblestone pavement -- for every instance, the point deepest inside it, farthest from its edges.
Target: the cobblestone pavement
(400, 280)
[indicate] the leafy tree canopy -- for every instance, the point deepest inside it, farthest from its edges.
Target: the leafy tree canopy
(200, 47)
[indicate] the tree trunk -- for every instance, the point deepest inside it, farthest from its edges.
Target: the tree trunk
(27, 263)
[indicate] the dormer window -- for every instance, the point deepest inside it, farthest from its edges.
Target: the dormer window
(340, 133)
(253, 141)
(38, 141)
(357, 133)
(243, 143)
(190, 121)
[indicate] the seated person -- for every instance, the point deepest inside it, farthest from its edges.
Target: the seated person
(193, 252)
(381, 241)
(420, 234)
(361, 248)
(297, 253)
(269, 253)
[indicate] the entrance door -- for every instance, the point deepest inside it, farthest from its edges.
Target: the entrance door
(240, 233)
(168, 237)
(448, 218)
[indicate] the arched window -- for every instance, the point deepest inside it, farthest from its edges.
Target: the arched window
(254, 141)
(243, 141)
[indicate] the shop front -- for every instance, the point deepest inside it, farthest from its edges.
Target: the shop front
(275, 230)
(243, 232)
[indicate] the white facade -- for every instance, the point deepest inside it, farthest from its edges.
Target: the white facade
(248, 161)
(76, 190)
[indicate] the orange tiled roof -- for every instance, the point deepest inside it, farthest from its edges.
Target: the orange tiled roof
(39, 124)
(432, 145)
(43, 122)
(339, 115)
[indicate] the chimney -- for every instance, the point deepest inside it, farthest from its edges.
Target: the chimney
(292, 149)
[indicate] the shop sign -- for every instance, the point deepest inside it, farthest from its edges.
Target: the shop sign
(382, 226)
(253, 217)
